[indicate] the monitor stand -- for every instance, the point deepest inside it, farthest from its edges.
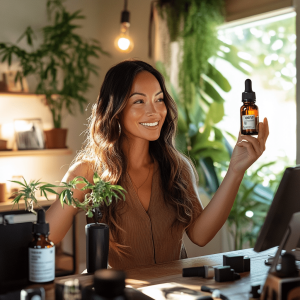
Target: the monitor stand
(289, 241)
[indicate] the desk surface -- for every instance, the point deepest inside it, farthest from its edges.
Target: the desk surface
(172, 272)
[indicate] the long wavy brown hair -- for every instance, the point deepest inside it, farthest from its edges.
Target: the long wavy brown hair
(103, 149)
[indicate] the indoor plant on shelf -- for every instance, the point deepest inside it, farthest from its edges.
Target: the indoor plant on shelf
(101, 193)
(61, 63)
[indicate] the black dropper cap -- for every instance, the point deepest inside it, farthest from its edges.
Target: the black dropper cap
(248, 95)
(40, 227)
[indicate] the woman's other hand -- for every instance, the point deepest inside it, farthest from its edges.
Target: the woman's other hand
(248, 149)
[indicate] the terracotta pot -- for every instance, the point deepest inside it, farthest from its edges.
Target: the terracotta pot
(3, 144)
(56, 138)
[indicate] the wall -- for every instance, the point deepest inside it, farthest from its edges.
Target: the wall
(102, 22)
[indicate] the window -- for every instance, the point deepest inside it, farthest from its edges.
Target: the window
(266, 50)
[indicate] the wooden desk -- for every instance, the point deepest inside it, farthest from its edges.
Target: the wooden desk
(172, 272)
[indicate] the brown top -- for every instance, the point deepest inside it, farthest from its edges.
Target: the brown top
(149, 235)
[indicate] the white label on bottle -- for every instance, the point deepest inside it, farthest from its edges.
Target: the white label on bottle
(41, 264)
(248, 122)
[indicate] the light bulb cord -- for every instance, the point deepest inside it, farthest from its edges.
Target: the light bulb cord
(125, 4)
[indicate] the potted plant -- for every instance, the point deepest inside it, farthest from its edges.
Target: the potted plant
(28, 193)
(61, 64)
(101, 193)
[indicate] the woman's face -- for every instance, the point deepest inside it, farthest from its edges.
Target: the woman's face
(145, 111)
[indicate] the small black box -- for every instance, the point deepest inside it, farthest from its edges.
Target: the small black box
(225, 273)
(239, 263)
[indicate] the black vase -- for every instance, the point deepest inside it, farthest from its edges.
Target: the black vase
(97, 245)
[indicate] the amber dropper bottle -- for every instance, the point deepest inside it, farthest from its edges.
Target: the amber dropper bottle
(41, 252)
(249, 111)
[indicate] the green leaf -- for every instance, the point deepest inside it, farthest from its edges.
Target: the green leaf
(69, 197)
(215, 113)
(16, 200)
(50, 191)
(61, 198)
(96, 178)
(218, 78)
(212, 92)
(18, 182)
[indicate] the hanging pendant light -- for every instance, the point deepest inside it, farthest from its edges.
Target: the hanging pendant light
(123, 42)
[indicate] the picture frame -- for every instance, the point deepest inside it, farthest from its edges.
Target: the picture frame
(20, 86)
(29, 134)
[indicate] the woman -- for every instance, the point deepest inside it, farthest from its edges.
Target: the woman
(131, 142)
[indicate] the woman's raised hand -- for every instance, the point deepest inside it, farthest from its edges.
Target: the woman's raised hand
(248, 149)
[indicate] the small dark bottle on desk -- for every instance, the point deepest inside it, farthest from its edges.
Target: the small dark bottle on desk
(41, 252)
(249, 111)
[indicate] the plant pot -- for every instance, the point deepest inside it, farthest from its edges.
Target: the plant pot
(56, 138)
(3, 144)
(97, 245)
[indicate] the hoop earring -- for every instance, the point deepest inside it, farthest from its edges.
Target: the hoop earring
(120, 128)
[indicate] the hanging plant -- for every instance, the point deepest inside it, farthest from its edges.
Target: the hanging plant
(193, 22)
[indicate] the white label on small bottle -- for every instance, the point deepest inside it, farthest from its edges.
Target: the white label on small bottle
(248, 122)
(41, 264)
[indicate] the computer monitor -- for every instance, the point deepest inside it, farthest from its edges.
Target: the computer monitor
(286, 202)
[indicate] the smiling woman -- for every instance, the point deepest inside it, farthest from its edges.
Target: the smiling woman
(131, 143)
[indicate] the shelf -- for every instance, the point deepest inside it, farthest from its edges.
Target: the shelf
(42, 201)
(20, 94)
(41, 152)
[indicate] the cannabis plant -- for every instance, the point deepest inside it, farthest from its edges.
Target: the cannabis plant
(101, 193)
(61, 62)
(28, 193)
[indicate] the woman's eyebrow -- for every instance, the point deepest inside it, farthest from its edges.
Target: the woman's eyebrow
(143, 94)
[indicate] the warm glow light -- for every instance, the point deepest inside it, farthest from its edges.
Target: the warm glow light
(123, 43)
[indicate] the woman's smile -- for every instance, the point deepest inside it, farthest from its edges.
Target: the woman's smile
(152, 126)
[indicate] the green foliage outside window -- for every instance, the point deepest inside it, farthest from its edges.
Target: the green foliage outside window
(201, 107)
(269, 48)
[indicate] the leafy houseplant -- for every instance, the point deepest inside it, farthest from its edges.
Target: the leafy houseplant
(61, 62)
(101, 193)
(28, 192)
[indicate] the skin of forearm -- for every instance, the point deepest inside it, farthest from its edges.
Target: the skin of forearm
(217, 211)
(60, 220)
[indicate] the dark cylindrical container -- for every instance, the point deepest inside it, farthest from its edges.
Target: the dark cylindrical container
(97, 245)
(110, 284)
